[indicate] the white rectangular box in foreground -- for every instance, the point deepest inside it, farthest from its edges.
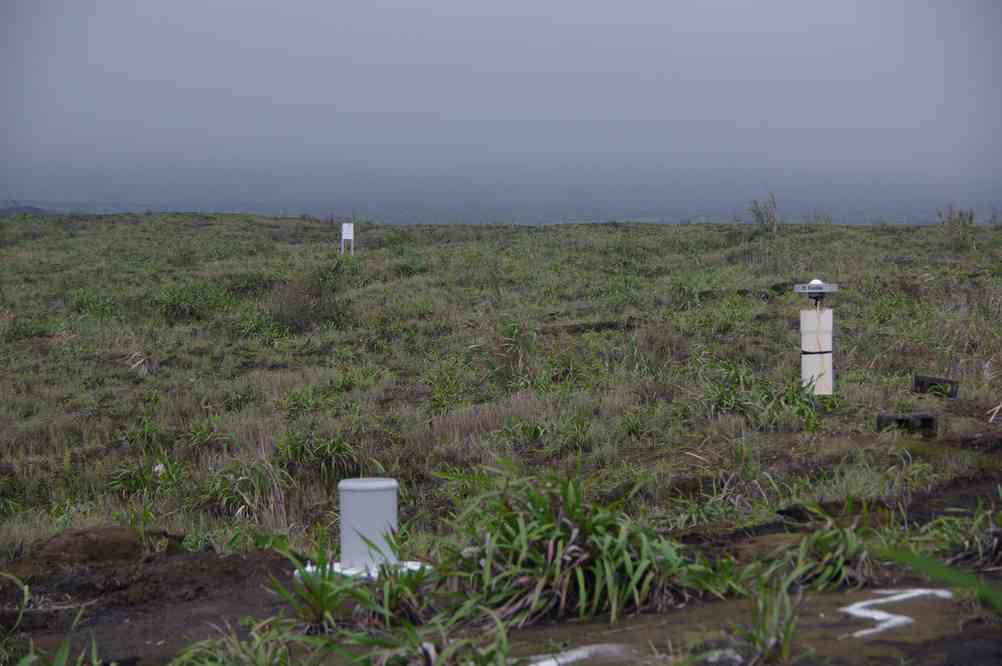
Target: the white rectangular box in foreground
(368, 509)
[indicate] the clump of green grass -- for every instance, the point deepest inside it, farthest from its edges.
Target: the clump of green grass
(769, 635)
(319, 597)
(272, 642)
(17, 328)
(256, 323)
(205, 434)
(327, 602)
(973, 540)
(248, 490)
(332, 456)
(832, 558)
(733, 387)
(94, 303)
(401, 617)
(190, 300)
(11, 495)
(536, 548)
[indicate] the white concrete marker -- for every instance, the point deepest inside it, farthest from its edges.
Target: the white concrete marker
(889, 620)
(348, 234)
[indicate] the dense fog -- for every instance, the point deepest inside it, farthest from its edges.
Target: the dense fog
(519, 111)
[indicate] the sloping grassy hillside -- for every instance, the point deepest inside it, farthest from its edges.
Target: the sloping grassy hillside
(216, 375)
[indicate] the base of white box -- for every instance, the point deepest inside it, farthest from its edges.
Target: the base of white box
(372, 573)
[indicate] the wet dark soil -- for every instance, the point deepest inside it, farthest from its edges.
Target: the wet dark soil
(960, 496)
(143, 607)
(938, 632)
(140, 607)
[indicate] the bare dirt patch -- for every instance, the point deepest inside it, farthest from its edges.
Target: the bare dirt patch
(140, 607)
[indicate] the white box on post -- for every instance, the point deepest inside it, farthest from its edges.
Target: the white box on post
(348, 234)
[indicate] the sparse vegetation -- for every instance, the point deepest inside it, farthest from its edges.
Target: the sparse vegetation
(769, 636)
(637, 385)
(11, 645)
(764, 214)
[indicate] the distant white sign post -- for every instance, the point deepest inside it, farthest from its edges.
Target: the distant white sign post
(348, 234)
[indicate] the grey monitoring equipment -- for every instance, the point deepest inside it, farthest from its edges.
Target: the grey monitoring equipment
(815, 289)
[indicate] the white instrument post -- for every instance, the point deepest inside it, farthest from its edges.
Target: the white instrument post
(817, 339)
(816, 350)
(348, 236)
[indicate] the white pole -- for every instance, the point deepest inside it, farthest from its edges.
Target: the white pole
(816, 350)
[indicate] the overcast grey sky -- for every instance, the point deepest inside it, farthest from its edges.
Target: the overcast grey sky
(144, 94)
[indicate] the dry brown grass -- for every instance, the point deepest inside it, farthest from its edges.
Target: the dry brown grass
(461, 425)
(660, 345)
(298, 306)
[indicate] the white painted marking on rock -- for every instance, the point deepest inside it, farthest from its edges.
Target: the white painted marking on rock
(600, 651)
(889, 620)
